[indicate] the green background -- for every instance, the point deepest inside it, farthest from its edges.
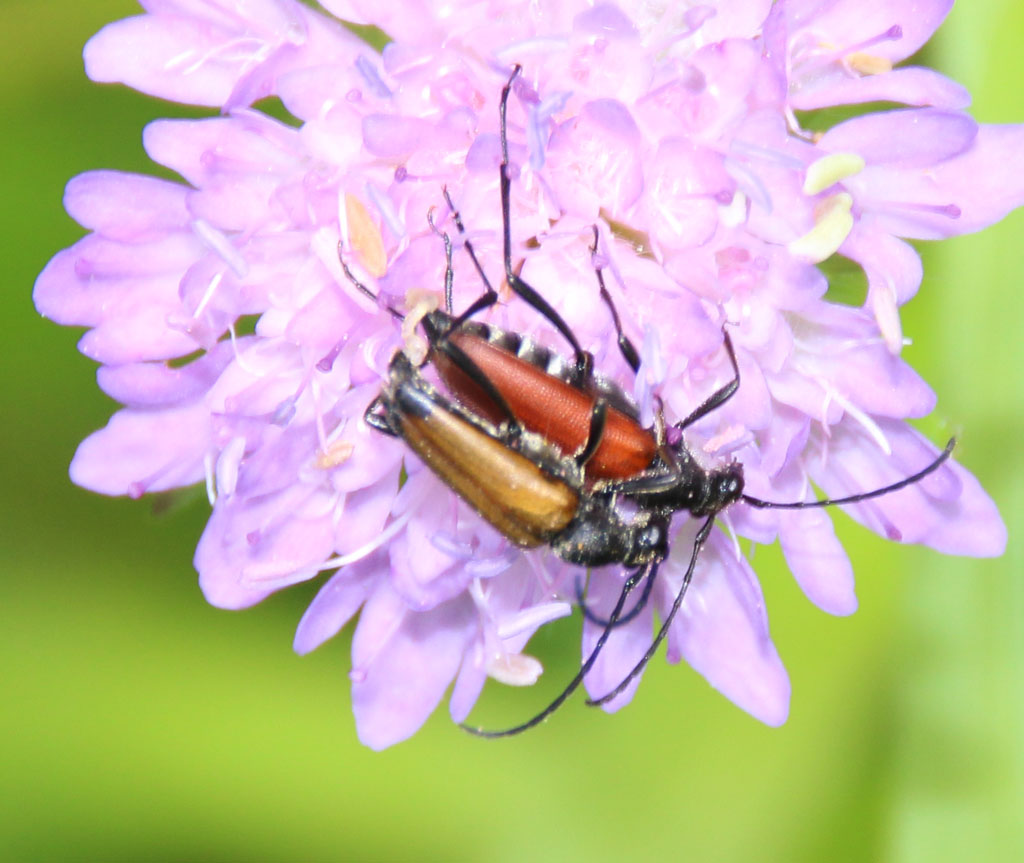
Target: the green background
(139, 724)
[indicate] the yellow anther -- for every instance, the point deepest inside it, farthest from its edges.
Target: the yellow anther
(833, 222)
(338, 452)
(868, 64)
(420, 304)
(364, 237)
(831, 169)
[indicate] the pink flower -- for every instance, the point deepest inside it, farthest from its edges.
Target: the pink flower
(221, 319)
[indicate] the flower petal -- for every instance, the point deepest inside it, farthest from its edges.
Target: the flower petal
(722, 631)
(402, 663)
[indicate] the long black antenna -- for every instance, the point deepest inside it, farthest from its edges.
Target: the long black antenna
(856, 498)
(397, 315)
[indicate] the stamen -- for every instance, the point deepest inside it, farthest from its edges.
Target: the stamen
(209, 293)
(364, 237)
(337, 453)
(315, 391)
(368, 548)
(412, 506)
(421, 303)
(532, 618)
(514, 669)
(218, 242)
(369, 74)
(883, 304)
(868, 64)
(831, 169)
(869, 425)
(211, 488)
(228, 462)
(833, 223)
(386, 209)
(856, 57)
(284, 412)
(454, 548)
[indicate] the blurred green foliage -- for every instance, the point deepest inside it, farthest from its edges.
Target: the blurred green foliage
(140, 724)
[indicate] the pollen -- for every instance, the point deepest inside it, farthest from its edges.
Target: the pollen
(832, 225)
(337, 453)
(868, 64)
(831, 169)
(364, 237)
(514, 669)
(420, 304)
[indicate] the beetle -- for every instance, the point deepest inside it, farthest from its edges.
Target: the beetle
(530, 488)
(524, 486)
(570, 439)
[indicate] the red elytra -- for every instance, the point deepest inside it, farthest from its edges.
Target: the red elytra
(548, 406)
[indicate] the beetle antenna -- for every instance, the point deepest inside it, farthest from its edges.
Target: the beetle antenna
(857, 498)
(397, 315)
(632, 581)
(449, 270)
(698, 544)
(626, 347)
(489, 296)
(641, 603)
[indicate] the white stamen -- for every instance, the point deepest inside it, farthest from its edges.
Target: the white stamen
(211, 487)
(731, 530)
(238, 357)
(883, 304)
(735, 212)
(217, 241)
(532, 618)
(870, 426)
(385, 535)
(227, 465)
(421, 304)
(514, 669)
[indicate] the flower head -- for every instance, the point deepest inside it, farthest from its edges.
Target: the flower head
(244, 358)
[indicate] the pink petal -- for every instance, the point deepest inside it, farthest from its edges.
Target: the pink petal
(595, 160)
(402, 662)
(722, 632)
(818, 560)
(179, 59)
(848, 22)
(126, 207)
(625, 646)
(338, 600)
(947, 510)
(152, 384)
(912, 85)
(141, 451)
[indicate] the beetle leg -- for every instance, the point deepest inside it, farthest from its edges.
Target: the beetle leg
(598, 418)
(720, 396)
(698, 544)
(376, 416)
(631, 582)
(641, 603)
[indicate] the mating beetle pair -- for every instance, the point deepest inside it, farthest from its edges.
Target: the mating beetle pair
(545, 451)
